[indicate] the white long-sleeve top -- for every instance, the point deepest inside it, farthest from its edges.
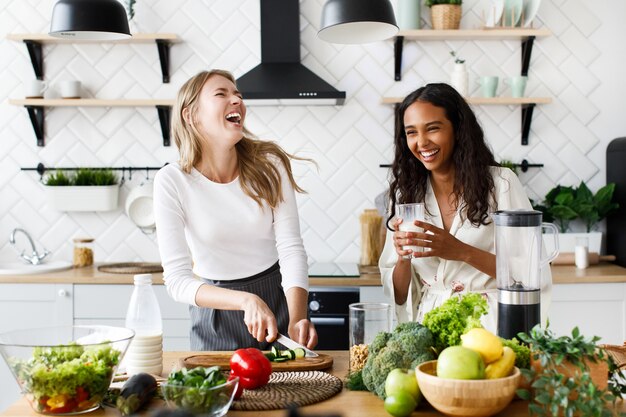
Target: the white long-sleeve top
(434, 280)
(223, 233)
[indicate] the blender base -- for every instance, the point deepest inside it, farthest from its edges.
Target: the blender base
(516, 318)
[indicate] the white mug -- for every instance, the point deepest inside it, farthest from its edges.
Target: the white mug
(69, 89)
(35, 88)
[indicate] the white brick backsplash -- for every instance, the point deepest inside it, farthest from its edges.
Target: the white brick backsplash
(348, 143)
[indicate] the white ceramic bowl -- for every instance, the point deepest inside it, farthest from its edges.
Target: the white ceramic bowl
(139, 207)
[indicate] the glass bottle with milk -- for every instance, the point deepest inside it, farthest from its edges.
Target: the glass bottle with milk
(145, 353)
(409, 213)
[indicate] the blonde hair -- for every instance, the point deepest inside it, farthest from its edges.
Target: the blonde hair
(258, 174)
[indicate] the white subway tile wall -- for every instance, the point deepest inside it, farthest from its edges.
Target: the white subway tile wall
(569, 136)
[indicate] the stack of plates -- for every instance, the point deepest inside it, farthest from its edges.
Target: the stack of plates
(145, 354)
(510, 13)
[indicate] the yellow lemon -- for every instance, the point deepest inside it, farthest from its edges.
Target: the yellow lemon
(503, 366)
(484, 342)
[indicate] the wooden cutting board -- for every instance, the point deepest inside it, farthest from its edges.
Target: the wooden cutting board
(222, 359)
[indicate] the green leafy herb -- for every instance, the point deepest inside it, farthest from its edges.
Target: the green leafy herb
(354, 381)
(187, 388)
(84, 176)
(564, 204)
(552, 391)
(522, 352)
(58, 178)
(454, 317)
(457, 60)
(430, 3)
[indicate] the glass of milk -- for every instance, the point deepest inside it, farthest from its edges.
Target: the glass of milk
(409, 213)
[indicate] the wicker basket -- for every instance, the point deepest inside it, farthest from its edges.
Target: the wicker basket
(617, 353)
(445, 16)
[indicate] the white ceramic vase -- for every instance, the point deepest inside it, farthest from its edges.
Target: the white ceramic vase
(459, 79)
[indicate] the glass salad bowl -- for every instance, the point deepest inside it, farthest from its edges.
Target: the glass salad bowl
(65, 370)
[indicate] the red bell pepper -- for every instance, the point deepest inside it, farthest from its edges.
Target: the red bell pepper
(252, 368)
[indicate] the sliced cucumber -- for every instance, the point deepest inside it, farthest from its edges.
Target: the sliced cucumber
(280, 359)
(276, 352)
(270, 356)
(300, 353)
(289, 354)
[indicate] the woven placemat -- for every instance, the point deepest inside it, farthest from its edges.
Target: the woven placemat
(617, 353)
(287, 389)
(131, 268)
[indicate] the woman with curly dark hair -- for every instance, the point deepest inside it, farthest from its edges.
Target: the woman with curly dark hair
(442, 160)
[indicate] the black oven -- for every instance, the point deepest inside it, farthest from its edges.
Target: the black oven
(328, 310)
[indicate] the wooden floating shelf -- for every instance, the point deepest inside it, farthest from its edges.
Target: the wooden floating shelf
(472, 34)
(90, 102)
(136, 38)
(487, 100)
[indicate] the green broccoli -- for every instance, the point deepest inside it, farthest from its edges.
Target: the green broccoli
(406, 347)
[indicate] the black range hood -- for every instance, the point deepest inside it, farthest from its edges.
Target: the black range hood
(280, 78)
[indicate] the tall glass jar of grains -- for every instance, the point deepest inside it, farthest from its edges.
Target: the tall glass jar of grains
(83, 252)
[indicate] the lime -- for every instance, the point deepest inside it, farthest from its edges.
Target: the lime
(401, 404)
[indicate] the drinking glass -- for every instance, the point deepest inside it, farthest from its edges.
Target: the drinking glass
(409, 213)
(366, 321)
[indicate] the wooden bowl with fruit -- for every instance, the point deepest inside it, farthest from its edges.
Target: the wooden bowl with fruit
(466, 397)
(478, 378)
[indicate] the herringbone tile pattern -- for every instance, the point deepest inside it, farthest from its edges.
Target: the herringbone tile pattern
(347, 142)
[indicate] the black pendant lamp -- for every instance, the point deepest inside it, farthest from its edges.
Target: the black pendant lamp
(357, 21)
(89, 20)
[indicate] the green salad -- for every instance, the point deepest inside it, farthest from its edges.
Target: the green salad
(67, 379)
(190, 389)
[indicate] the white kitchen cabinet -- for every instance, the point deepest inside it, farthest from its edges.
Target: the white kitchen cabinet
(29, 306)
(597, 309)
(176, 322)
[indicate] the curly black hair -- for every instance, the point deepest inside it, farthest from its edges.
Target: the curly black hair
(472, 157)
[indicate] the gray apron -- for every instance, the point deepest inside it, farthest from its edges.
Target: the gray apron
(225, 329)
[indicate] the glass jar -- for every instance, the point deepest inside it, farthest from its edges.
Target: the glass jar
(83, 252)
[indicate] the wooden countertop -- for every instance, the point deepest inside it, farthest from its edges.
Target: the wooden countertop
(90, 275)
(346, 403)
(561, 274)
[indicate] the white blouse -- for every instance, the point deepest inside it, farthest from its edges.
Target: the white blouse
(434, 280)
(222, 233)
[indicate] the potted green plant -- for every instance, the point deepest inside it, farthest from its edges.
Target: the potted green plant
(569, 376)
(445, 14)
(566, 206)
(87, 190)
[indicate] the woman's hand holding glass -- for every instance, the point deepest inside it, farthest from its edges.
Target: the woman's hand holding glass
(436, 241)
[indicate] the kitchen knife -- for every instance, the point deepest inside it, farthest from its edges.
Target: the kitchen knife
(292, 344)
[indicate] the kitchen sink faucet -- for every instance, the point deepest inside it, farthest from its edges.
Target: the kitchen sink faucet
(35, 258)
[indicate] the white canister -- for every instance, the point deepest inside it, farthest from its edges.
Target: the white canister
(459, 79)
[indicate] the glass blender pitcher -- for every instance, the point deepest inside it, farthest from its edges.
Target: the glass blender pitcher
(518, 269)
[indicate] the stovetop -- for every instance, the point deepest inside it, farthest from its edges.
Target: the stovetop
(333, 269)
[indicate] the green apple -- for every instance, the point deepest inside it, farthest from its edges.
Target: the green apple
(402, 380)
(458, 362)
(400, 404)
